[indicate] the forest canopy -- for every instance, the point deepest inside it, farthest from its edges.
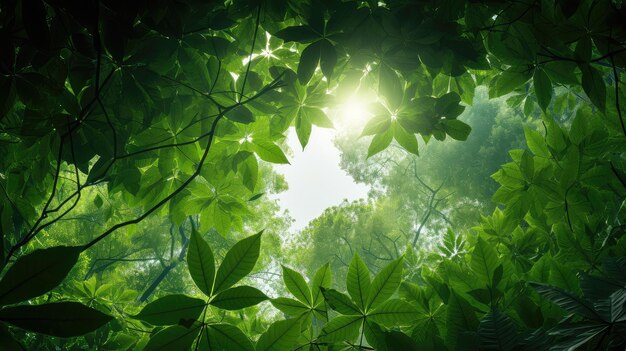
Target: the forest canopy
(137, 140)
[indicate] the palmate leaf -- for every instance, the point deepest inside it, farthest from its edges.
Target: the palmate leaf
(290, 307)
(297, 286)
(322, 279)
(342, 328)
(340, 302)
(238, 297)
(394, 312)
(385, 283)
(63, 319)
(238, 262)
(358, 281)
(201, 263)
(174, 338)
(280, 336)
(171, 309)
(226, 337)
(38, 272)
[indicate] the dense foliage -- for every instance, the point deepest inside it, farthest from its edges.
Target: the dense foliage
(136, 143)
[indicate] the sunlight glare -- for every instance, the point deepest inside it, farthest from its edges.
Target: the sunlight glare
(354, 112)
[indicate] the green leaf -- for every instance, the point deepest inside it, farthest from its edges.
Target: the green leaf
(328, 58)
(280, 336)
(297, 286)
(240, 114)
(511, 79)
(497, 332)
(303, 128)
(201, 263)
(322, 279)
(594, 86)
(63, 319)
(37, 273)
(290, 307)
(393, 313)
(456, 129)
(407, 140)
(385, 283)
(448, 105)
(377, 125)
(358, 281)
(342, 328)
(543, 88)
(340, 302)
(567, 301)
(238, 262)
(301, 34)
(308, 62)
(398, 341)
(536, 143)
(380, 142)
(317, 117)
(238, 297)
(389, 86)
(460, 318)
(171, 309)
(173, 338)
(484, 261)
(228, 337)
(8, 342)
(269, 151)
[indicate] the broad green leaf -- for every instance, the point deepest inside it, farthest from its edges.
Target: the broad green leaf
(342, 328)
(460, 318)
(497, 332)
(448, 105)
(8, 342)
(543, 88)
(594, 86)
(322, 279)
(389, 86)
(297, 286)
(567, 301)
(240, 114)
(399, 341)
(340, 302)
(358, 281)
(173, 338)
(308, 61)
(458, 130)
(377, 125)
(328, 58)
(227, 336)
(317, 117)
(380, 142)
(37, 272)
(301, 34)
(238, 297)
(484, 261)
(303, 128)
(290, 307)
(280, 336)
(201, 263)
(268, 151)
(536, 143)
(407, 140)
(385, 283)
(393, 313)
(62, 319)
(238, 262)
(171, 309)
(511, 79)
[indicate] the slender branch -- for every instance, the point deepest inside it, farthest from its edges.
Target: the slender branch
(256, 30)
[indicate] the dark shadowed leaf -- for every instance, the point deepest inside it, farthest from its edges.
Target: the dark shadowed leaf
(36, 273)
(174, 338)
(63, 319)
(171, 309)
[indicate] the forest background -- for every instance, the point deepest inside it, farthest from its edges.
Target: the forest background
(137, 143)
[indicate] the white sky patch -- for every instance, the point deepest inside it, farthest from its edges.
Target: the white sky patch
(315, 178)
